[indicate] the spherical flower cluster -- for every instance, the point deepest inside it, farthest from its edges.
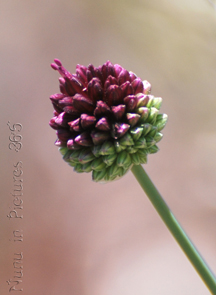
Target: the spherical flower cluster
(105, 119)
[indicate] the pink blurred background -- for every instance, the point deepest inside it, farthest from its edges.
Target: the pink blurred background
(83, 238)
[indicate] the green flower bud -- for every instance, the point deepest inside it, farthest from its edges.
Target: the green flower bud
(96, 150)
(158, 137)
(98, 175)
(141, 143)
(142, 100)
(113, 170)
(157, 101)
(153, 131)
(66, 156)
(142, 157)
(85, 156)
(74, 156)
(107, 148)
(122, 171)
(87, 167)
(161, 121)
(118, 146)
(135, 159)
(136, 133)
(150, 101)
(153, 149)
(131, 149)
(78, 168)
(152, 116)
(150, 141)
(98, 164)
(144, 113)
(126, 140)
(146, 128)
(63, 150)
(109, 159)
(123, 159)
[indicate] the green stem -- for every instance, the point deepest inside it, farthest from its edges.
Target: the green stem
(175, 228)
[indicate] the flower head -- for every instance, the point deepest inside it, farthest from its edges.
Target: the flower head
(105, 119)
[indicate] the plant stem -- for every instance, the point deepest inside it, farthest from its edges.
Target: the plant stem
(175, 228)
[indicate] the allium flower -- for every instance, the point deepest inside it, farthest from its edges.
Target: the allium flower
(105, 119)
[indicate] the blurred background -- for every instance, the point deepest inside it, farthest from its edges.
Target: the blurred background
(83, 238)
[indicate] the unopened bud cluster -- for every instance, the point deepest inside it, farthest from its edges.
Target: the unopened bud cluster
(105, 119)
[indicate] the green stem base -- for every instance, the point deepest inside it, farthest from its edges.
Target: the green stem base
(175, 228)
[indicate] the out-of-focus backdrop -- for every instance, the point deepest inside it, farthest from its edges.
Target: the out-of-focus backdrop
(82, 238)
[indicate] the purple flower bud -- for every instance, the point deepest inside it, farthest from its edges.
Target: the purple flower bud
(81, 73)
(56, 97)
(117, 69)
(113, 95)
(62, 81)
(63, 119)
(82, 103)
(103, 124)
(60, 143)
(123, 76)
(58, 62)
(66, 101)
(137, 85)
(133, 76)
(62, 89)
(147, 87)
(63, 134)
(53, 124)
(101, 109)
(142, 100)
(75, 125)
(69, 87)
(90, 73)
(72, 145)
(54, 66)
(132, 118)
(62, 71)
(127, 89)
(107, 69)
(76, 85)
(120, 129)
(71, 110)
(95, 90)
(87, 121)
(119, 111)
(99, 137)
(131, 102)
(110, 81)
(84, 139)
